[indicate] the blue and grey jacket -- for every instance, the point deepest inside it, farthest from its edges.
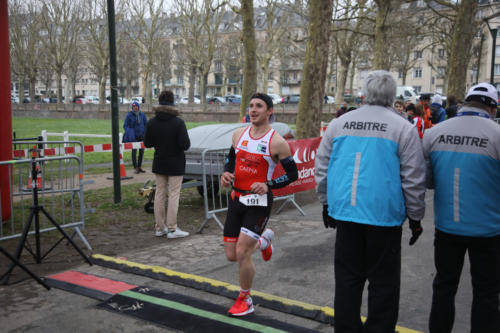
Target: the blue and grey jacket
(463, 163)
(370, 168)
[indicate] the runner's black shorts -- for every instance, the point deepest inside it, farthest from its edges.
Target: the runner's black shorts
(251, 220)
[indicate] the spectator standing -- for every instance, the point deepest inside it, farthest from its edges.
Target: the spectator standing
(369, 224)
(167, 133)
(400, 108)
(425, 100)
(134, 126)
(438, 114)
(342, 110)
(451, 109)
(463, 160)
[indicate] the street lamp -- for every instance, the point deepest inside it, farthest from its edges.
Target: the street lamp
(494, 46)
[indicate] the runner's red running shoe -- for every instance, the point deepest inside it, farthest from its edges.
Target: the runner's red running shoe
(267, 253)
(242, 306)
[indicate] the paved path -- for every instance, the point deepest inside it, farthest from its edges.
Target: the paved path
(301, 269)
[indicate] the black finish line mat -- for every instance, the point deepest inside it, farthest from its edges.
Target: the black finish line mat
(318, 313)
(190, 314)
(321, 314)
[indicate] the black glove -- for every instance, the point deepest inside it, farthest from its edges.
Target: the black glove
(416, 230)
(328, 221)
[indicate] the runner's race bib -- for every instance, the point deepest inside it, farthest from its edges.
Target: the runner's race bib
(254, 200)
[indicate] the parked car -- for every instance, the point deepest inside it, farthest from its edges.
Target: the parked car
(92, 99)
(216, 100)
(233, 99)
(80, 100)
(277, 99)
(185, 100)
(293, 99)
(330, 100)
(137, 99)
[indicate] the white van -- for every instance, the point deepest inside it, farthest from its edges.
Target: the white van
(406, 93)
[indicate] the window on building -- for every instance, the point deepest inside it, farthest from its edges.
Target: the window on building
(218, 66)
(497, 69)
(417, 55)
(418, 89)
(218, 78)
(180, 80)
(441, 53)
(400, 74)
(295, 75)
(417, 72)
(270, 76)
(441, 71)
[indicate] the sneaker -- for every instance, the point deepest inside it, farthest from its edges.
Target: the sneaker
(242, 306)
(268, 252)
(178, 233)
(137, 171)
(142, 170)
(159, 233)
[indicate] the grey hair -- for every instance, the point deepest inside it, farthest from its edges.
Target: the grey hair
(379, 88)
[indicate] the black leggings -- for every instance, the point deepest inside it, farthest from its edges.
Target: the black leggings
(135, 162)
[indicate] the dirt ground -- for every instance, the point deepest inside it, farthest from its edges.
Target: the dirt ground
(117, 232)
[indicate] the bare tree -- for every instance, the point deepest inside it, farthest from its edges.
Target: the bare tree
(249, 53)
(24, 36)
(145, 27)
(277, 20)
(382, 29)
(96, 36)
(346, 39)
(73, 71)
(230, 53)
(315, 65)
(462, 16)
(61, 29)
(128, 65)
(162, 67)
(200, 22)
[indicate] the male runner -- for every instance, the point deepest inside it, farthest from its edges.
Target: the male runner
(249, 167)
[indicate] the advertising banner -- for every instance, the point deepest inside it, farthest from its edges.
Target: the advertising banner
(304, 154)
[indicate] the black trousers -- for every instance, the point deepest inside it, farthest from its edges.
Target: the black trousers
(366, 252)
(137, 163)
(484, 257)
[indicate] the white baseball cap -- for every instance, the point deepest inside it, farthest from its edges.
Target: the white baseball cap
(483, 93)
(437, 99)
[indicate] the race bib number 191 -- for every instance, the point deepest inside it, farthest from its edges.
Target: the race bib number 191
(254, 200)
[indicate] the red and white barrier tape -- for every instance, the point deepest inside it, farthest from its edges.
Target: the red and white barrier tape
(104, 147)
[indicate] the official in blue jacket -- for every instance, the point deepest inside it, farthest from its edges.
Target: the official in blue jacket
(135, 126)
(370, 176)
(463, 161)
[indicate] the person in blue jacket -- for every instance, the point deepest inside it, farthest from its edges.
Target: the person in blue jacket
(370, 176)
(463, 167)
(438, 113)
(135, 126)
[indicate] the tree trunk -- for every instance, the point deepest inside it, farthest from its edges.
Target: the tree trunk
(59, 87)
(128, 89)
(461, 43)
(102, 89)
(265, 74)
(249, 58)
(192, 83)
(203, 88)
(32, 88)
(314, 73)
(353, 72)
(382, 22)
(341, 81)
(404, 78)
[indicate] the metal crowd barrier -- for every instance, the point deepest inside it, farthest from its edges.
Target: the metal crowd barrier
(60, 190)
(216, 198)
